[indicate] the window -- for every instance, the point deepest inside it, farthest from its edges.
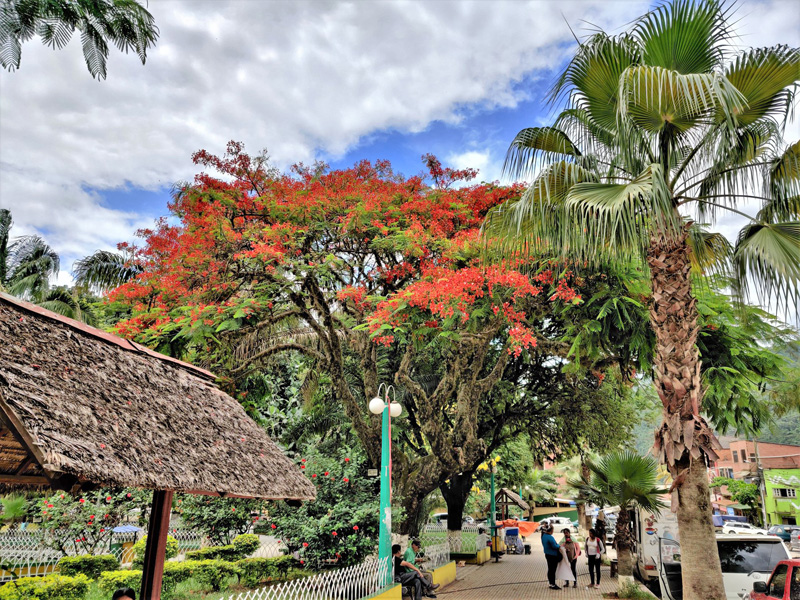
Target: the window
(745, 557)
(752, 457)
(744, 455)
(725, 472)
(794, 591)
(778, 582)
(784, 493)
(735, 456)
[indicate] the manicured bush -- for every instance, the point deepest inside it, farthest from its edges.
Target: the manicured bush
(245, 545)
(174, 573)
(241, 547)
(139, 547)
(254, 571)
(213, 573)
(89, 565)
(49, 587)
(111, 581)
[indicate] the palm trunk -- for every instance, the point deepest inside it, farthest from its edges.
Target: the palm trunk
(586, 520)
(684, 441)
(622, 542)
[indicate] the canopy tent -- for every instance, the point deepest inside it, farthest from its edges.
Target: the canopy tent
(81, 408)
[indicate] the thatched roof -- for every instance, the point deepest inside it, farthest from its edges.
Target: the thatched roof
(509, 497)
(82, 407)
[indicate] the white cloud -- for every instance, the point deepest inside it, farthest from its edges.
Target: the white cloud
(298, 77)
(490, 168)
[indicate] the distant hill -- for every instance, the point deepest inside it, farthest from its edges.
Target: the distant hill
(785, 430)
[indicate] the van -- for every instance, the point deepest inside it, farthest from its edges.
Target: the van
(647, 530)
(745, 559)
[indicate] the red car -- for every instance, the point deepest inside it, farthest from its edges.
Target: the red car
(784, 583)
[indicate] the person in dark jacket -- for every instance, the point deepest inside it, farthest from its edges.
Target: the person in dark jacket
(552, 553)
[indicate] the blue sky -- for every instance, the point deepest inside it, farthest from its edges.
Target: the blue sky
(86, 163)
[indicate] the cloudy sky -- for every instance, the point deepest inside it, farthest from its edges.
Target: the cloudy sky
(86, 163)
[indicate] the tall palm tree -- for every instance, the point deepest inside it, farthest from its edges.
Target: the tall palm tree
(125, 23)
(104, 270)
(538, 486)
(661, 120)
(627, 480)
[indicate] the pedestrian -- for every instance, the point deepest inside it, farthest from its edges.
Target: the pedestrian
(552, 554)
(594, 550)
(564, 570)
(124, 594)
(573, 551)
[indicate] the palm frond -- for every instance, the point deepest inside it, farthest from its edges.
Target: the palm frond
(535, 144)
(784, 187)
(769, 254)
(684, 36)
(104, 270)
(711, 252)
(767, 78)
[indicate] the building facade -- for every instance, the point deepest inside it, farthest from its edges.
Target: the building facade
(781, 495)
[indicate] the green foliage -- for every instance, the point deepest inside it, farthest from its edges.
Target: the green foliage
(87, 564)
(632, 591)
(740, 491)
(340, 524)
(110, 581)
(15, 507)
(242, 547)
(82, 524)
(213, 573)
(221, 519)
(784, 429)
(49, 587)
(140, 546)
(255, 571)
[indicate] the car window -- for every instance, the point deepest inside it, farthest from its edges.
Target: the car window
(778, 582)
(747, 556)
(774, 529)
(794, 591)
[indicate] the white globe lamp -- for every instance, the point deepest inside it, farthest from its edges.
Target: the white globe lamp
(395, 409)
(376, 405)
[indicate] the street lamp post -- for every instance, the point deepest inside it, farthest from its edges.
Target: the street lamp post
(388, 409)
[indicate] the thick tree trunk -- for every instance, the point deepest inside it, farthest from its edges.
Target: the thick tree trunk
(622, 542)
(684, 441)
(455, 495)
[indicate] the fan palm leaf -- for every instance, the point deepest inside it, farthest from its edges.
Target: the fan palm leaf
(104, 270)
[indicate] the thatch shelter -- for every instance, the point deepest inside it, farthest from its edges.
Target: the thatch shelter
(82, 408)
(506, 498)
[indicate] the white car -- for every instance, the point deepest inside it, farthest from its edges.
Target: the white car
(744, 559)
(743, 529)
(560, 523)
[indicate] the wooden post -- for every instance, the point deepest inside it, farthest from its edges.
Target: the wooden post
(155, 550)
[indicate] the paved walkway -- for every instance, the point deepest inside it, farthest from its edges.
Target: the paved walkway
(521, 577)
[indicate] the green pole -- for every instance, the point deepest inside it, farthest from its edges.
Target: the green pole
(385, 517)
(492, 516)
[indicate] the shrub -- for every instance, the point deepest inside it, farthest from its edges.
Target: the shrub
(89, 565)
(241, 547)
(213, 573)
(246, 544)
(174, 573)
(111, 581)
(254, 571)
(139, 547)
(49, 587)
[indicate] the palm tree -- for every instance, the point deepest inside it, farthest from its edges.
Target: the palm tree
(539, 486)
(629, 481)
(125, 23)
(104, 270)
(660, 120)
(26, 267)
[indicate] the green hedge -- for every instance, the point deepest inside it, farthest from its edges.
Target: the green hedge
(242, 547)
(139, 548)
(49, 587)
(254, 571)
(213, 573)
(87, 564)
(174, 573)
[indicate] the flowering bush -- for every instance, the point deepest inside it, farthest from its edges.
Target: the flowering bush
(221, 519)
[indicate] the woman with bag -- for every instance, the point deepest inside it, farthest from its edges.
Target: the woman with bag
(552, 553)
(594, 550)
(572, 551)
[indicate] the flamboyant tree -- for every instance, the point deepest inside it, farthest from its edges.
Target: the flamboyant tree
(372, 278)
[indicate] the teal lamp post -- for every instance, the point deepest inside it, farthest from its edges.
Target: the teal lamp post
(388, 409)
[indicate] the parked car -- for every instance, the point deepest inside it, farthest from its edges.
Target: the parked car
(783, 531)
(560, 523)
(783, 583)
(745, 560)
(742, 529)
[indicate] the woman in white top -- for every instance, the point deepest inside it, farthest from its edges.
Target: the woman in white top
(594, 549)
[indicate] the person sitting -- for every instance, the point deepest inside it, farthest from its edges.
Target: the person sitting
(124, 594)
(414, 555)
(406, 573)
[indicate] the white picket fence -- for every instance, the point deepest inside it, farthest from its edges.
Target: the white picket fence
(464, 541)
(350, 583)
